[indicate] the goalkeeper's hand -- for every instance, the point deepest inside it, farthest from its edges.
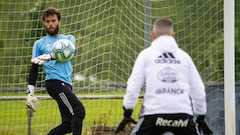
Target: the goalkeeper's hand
(126, 119)
(42, 58)
(32, 101)
(202, 125)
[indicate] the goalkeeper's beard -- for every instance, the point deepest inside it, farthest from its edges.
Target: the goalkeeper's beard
(53, 32)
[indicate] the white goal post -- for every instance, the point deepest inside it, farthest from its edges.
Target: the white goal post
(229, 68)
(109, 35)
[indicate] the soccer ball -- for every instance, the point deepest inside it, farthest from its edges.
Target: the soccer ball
(63, 50)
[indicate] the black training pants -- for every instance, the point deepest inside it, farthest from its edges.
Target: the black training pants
(71, 109)
(178, 124)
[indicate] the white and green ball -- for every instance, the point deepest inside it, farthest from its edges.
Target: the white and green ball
(63, 50)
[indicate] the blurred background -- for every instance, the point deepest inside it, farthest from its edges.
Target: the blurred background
(109, 35)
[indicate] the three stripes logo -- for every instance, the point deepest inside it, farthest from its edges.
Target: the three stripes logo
(167, 58)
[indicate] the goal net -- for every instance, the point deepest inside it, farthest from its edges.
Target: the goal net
(109, 36)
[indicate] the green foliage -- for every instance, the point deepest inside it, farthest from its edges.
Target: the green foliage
(14, 115)
(237, 41)
(36, 29)
(1, 44)
(109, 39)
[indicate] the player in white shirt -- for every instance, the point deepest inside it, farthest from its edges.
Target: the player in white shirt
(174, 89)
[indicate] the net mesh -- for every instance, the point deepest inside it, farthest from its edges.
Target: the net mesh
(109, 36)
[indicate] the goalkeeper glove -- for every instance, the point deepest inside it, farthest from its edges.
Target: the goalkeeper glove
(32, 100)
(202, 125)
(126, 119)
(42, 58)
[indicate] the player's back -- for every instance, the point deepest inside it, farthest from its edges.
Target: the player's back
(166, 76)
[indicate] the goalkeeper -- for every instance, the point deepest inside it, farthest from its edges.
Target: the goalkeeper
(174, 90)
(58, 80)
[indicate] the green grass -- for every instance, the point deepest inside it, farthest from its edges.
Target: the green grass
(13, 115)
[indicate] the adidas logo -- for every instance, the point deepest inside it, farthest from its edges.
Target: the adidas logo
(167, 58)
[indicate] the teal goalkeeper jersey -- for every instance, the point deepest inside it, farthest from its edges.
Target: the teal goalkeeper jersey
(54, 70)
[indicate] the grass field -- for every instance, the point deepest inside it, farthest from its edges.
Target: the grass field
(109, 35)
(13, 114)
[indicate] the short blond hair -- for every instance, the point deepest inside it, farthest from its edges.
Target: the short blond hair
(163, 26)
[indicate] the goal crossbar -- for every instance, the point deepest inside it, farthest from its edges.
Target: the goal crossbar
(2, 98)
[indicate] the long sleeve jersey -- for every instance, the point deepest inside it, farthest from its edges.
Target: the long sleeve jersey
(54, 70)
(173, 84)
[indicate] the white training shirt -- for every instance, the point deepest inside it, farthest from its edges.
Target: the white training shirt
(173, 84)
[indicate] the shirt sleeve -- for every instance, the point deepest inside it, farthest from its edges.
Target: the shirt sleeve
(135, 83)
(33, 72)
(72, 39)
(35, 50)
(197, 94)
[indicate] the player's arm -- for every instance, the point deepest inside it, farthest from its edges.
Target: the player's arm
(198, 96)
(134, 86)
(33, 73)
(42, 58)
(135, 82)
(32, 100)
(73, 40)
(38, 57)
(127, 118)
